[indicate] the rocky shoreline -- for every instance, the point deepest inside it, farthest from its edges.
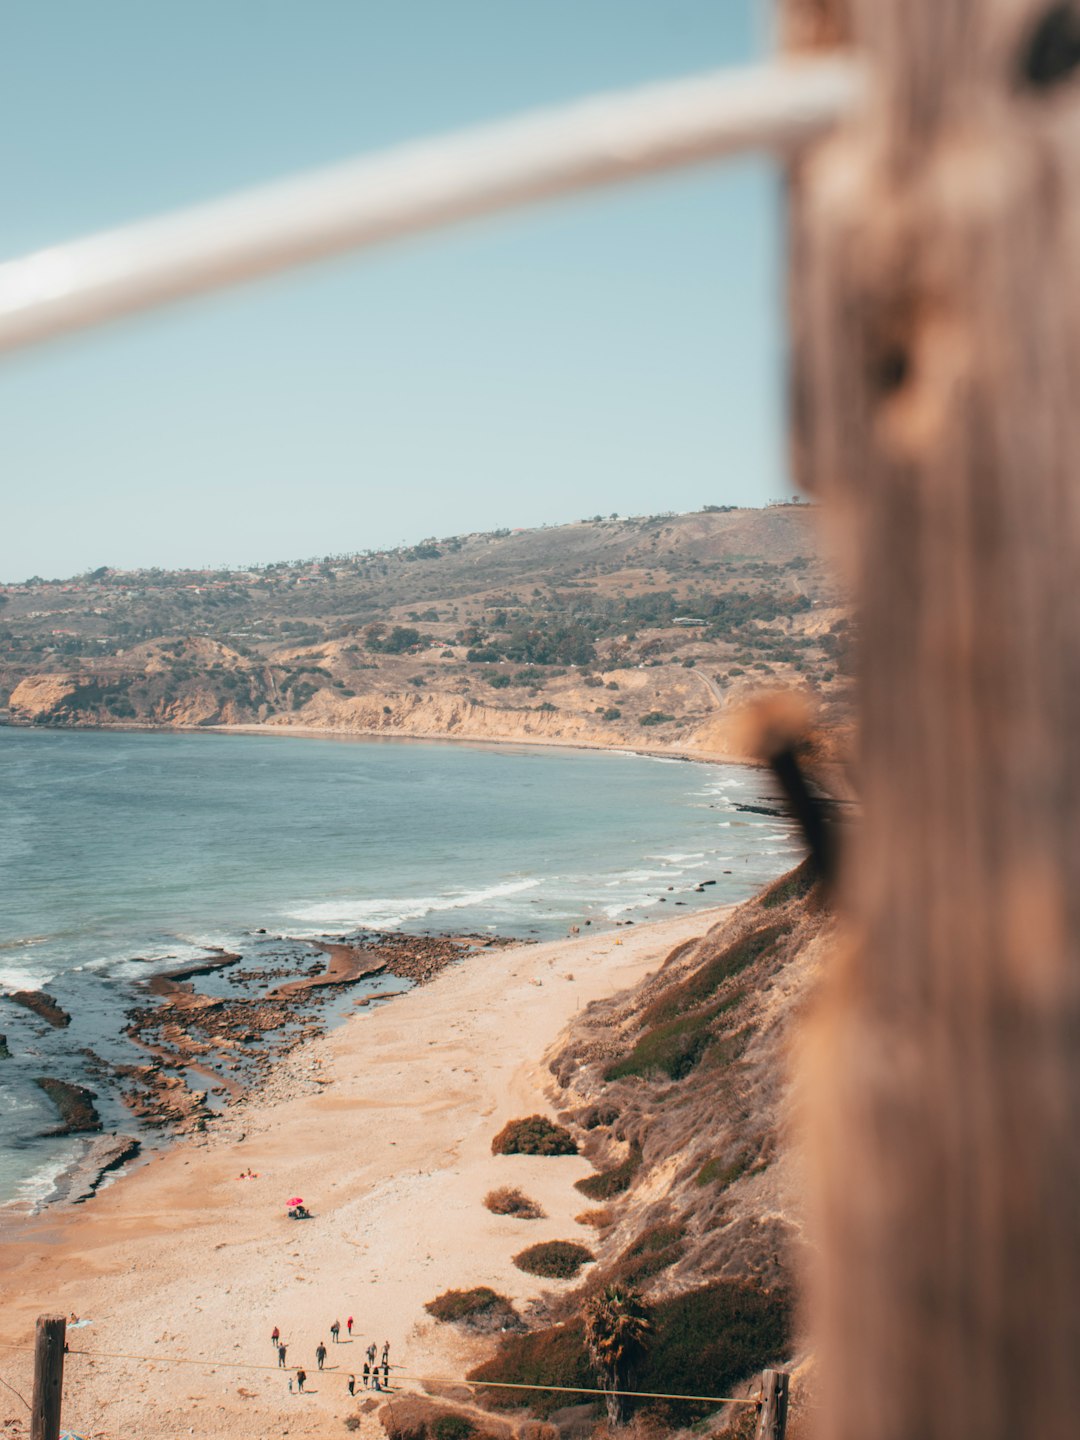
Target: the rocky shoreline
(203, 1049)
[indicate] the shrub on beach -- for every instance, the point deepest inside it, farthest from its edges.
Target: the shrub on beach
(533, 1135)
(509, 1201)
(554, 1259)
(480, 1309)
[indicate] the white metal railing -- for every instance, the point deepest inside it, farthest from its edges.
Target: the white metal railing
(420, 186)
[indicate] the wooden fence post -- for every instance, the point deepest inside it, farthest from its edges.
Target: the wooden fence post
(48, 1377)
(774, 1398)
(936, 324)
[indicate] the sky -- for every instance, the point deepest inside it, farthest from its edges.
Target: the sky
(619, 351)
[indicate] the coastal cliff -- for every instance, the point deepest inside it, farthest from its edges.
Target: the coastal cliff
(680, 1092)
(643, 632)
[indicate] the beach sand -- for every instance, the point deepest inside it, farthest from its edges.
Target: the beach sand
(384, 1128)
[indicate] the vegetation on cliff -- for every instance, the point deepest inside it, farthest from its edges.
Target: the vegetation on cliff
(678, 1092)
(534, 632)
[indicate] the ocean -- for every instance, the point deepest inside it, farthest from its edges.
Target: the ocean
(127, 853)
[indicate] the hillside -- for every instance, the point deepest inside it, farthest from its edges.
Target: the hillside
(611, 631)
(680, 1094)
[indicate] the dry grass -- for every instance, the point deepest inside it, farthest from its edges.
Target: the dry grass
(533, 1135)
(508, 1200)
(598, 1219)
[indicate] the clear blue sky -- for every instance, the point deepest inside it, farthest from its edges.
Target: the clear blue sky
(620, 351)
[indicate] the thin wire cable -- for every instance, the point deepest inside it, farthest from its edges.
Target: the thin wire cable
(370, 200)
(417, 1379)
(14, 1392)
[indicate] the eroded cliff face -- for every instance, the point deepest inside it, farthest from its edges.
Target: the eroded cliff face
(434, 715)
(80, 700)
(40, 698)
(681, 1092)
(685, 1089)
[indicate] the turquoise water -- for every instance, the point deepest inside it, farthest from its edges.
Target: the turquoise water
(117, 845)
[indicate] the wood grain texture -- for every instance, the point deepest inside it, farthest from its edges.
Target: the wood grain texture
(48, 1377)
(936, 319)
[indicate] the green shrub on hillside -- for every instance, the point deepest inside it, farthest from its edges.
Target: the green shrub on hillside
(554, 1259)
(534, 1135)
(699, 987)
(607, 1183)
(674, 1048)
(706, 1340)
(656, 1249)
(451, 1426)
(723, 1173)
(555, 1357)
(656, 717)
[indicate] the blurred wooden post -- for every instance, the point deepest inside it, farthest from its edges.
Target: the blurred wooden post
(48, 1377)
(774, 1398)
(934, 262)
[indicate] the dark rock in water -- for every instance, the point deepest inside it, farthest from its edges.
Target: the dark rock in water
(75, 1104)
(102, 1156)
(43, 1005)
(760, 810)
(5, 1053)
(216, 960)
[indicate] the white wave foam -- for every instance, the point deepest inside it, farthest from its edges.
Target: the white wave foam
(638, 877)
(32, 1189)
(388, 913)
(642, 903)
(19, 977)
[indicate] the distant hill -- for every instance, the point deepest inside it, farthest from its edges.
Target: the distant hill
(611, 631)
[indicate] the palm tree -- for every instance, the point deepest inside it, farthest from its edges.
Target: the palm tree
(617, 1328)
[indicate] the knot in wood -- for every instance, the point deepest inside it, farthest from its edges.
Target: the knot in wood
(1052, 50)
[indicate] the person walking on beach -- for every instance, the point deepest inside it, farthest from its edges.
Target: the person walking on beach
(385, 1351)
(281, 1354)
(275, 1336)
(348, 1326)
(301, 1376)
(367, 1373)
(371, 1353)
(320, 1354)
(352, 1384)
(386, 1374)
(335, 1331)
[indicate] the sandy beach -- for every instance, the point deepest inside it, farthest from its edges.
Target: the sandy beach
(384, 1128)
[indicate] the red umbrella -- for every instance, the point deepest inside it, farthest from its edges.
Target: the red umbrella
(294, 1201)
